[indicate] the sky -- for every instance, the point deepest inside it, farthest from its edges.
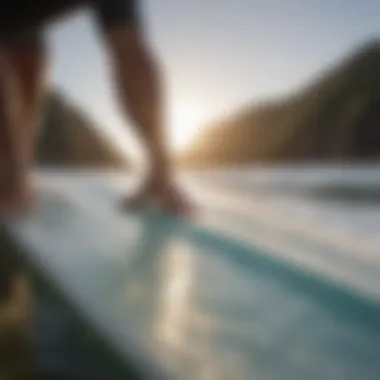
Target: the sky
(217, 55)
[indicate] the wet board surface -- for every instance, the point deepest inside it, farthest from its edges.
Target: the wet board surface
(179, 302)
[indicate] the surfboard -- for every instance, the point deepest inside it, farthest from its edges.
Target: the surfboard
(166, 298)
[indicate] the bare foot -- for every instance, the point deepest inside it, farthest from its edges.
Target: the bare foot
(164, 194)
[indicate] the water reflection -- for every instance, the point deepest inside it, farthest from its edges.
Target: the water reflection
(158, 283)
(172, 319)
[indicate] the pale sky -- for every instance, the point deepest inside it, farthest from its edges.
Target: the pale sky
(218, 54)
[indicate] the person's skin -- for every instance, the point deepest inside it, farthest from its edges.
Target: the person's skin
(140, 93)
(28, 57)
(10, 119)
(141, 96)
(22, 85)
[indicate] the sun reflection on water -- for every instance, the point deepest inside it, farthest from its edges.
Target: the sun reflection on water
(173, 316)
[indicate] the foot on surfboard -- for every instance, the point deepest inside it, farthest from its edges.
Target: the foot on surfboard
(168, 199)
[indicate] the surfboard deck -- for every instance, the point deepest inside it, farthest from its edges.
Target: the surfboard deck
(173, 300)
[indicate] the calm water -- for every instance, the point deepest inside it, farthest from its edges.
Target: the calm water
(326, 217)
(347, 197)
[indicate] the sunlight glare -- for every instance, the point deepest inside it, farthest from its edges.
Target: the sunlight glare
(185, 123)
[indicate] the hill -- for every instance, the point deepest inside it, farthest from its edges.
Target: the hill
(70, 138)
(335, 118)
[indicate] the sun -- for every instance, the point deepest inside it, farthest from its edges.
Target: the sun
(185, 123)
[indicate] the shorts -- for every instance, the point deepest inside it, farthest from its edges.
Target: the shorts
(24, 16)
